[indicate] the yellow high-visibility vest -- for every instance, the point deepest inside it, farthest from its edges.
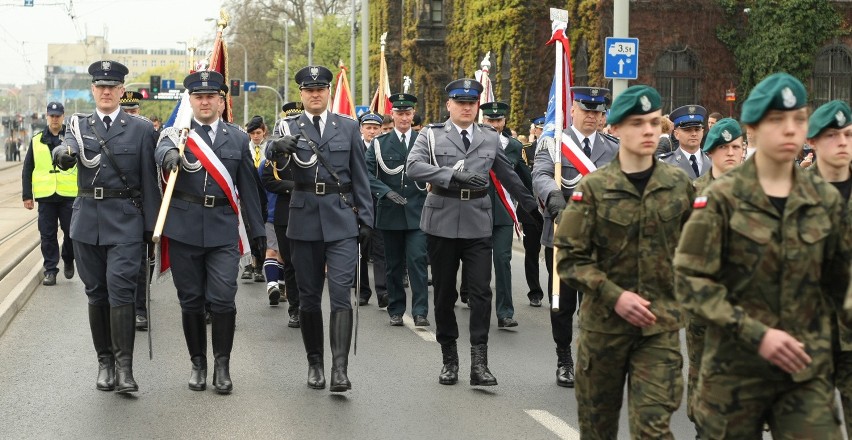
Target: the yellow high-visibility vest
(48, 180)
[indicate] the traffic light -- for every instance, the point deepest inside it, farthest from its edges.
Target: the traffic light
(155, 84)
(235, 87)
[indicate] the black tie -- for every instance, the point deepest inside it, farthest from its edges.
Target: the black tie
(465, 140)
(317, 124)
(403, 140)
(587, 150)
(207, 129)
(107, 122)
(694, 163)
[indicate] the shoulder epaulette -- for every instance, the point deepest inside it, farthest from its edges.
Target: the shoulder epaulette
(611, 137)
(142, 118)
(382, 135)
(346, 116)
(436, 125)
(82, 115)
(665, 155)
(487, 127)
(232, 125)
(292, 117)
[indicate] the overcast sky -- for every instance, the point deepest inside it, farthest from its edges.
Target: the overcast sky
(25, 32)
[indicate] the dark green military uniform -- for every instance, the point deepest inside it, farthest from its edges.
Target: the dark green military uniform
(611, 239)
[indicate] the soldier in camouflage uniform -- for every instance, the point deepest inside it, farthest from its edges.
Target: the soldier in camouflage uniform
(750, 263)
(615, 243)
(830, 135)
(724, 147)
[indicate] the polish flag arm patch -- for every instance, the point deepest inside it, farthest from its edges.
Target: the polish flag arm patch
(700, 202)
(577, 196)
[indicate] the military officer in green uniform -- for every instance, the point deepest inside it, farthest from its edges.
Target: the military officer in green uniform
(400, 203)
(615, 243)
(830, 135)
(724, 147)
(762, 260)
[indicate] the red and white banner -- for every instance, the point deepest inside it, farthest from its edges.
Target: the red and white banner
(575, 155)
(342, 103)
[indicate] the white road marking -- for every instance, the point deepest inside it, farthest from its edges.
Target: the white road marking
(423, 332)
(554, 424)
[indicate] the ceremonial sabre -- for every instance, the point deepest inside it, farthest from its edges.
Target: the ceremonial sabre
(183, 120)
(559, 18)
(148, 263)
(357, 297)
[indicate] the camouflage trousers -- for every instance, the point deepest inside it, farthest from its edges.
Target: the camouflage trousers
(843, 382)
(694, 349)
(735, 407)
(652, 367)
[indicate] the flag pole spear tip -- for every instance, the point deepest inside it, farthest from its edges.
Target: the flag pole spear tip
(224, 19)
(383, 40)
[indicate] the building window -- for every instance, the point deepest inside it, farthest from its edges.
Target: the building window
(144, 63)
(832, 75)
(437, 11)
(678, 77)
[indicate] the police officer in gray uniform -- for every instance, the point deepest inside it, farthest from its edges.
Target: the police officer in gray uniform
(689, 131)
(588, 107)
(113, 217)
(202, 226)
(455, 159)
(331, 211)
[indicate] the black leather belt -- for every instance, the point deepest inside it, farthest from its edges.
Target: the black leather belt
(323, 188)
(207, 201)
(106, 193)
(462, 194)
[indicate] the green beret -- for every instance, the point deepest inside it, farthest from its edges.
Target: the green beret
(636, 100)
(494, 110)
(834, 114)
(779, 91)
(723, 131)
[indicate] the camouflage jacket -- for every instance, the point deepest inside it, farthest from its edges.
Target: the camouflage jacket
(703, 182)
(844, 323)
(612, 239)
(744, 268)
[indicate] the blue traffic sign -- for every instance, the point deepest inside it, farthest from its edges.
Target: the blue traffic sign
(167, 84)
(249, 86)
(361, 109)
(621, 58)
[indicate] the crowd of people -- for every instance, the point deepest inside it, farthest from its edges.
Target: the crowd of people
(651, 223)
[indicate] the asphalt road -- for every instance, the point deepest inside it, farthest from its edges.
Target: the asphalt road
(48, 369)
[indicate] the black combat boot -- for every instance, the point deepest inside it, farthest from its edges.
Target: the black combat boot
(564, 368)
(450, 371)
(222, 328)
(99, 323)
(123, 331)
(479, 373)
(312, 336)
(341, 338)
(195, 332)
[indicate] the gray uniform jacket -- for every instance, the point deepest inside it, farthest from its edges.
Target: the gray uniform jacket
(603, 152)
(197, 225)
(452, 217)
(680, 159)
(114, 220)
(328, 217)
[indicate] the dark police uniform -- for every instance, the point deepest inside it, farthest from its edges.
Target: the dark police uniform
(54, 190)
(116, 207)
(601, 152)
(532, 229)
(373, 250)
(203, 234)
(458, 218)
(399, 220)
(689, 116)
(328, 214)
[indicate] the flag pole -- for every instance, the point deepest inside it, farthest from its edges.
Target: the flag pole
(558, 17)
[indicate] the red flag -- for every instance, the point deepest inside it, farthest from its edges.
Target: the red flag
(381, 104)
(342, 103)
(219, 63)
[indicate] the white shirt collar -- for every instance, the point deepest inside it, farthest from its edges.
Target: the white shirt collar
(213, 125)
(580, 136)
(112, 116)
(698, 157)
(399, 134)
(469, 130)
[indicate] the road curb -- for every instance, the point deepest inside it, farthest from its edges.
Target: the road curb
(20, 294)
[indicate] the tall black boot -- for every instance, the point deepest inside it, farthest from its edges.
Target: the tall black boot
(195, 332)
(99, 323)
(341, 339)
(479, 373)
(564, 368)
(450, 371)
(123, 330)
(312, 336)
(224, 325)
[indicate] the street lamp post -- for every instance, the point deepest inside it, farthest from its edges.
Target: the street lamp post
(245, 78)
